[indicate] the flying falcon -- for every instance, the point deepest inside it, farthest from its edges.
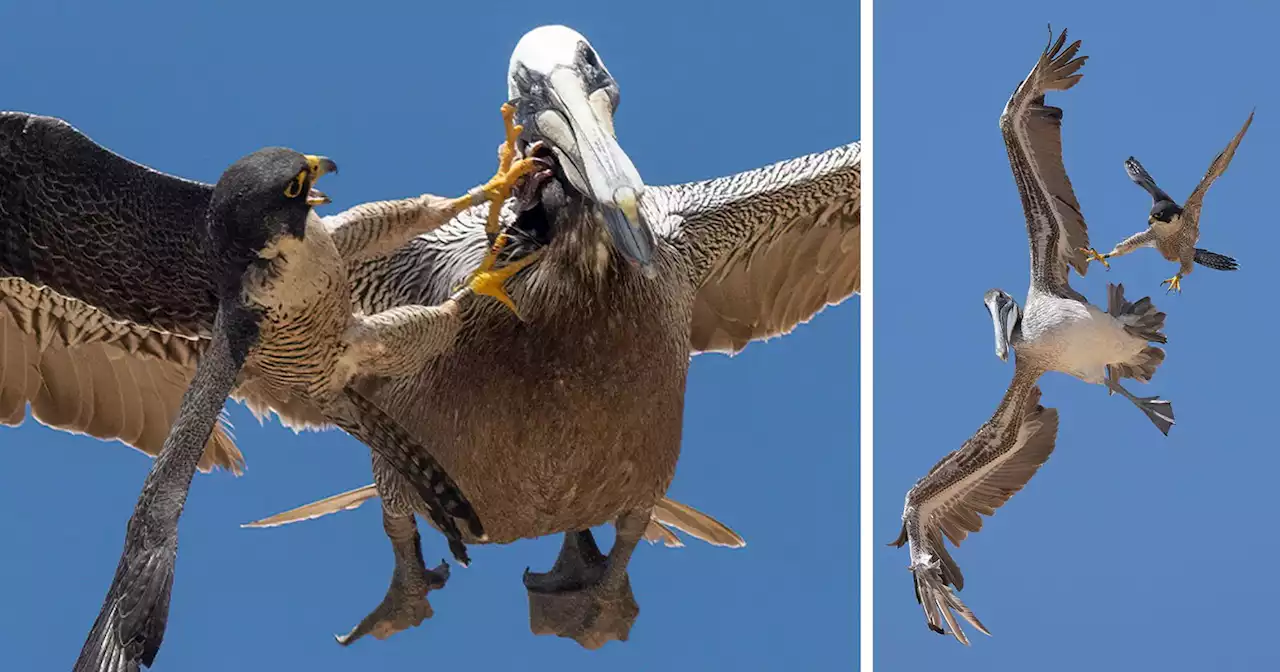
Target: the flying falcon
(1174, 230)
(1058, 331)
(115, 271)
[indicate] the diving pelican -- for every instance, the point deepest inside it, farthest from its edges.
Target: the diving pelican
(1172, 229)
(1058, 331)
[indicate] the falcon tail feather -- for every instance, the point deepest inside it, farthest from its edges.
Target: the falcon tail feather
(1218, 262)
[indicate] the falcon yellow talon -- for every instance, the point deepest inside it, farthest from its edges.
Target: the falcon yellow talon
(1175, 284)
(499, 188)
(1093, 254)
(489, 281)
(509, 172)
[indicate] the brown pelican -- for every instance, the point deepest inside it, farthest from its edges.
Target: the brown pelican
(101, 250)
(577, 422)
(1174, 230)
(1058, 331)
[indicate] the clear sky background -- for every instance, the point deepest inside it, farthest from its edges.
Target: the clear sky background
(405, 98)
(1128, 550)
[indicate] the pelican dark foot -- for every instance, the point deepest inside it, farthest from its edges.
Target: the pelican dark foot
(405, 605)
(591, 616)
(1175, 284)
(1158, 411)
(584, 597)
(1095, 256)
(587, 596)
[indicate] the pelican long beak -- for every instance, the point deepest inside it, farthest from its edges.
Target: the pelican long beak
(319, 166)
(1004, 317)
(595, 163)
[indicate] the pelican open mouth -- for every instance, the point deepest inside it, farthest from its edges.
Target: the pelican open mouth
(529, 190)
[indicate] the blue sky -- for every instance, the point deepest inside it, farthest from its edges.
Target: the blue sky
(1128, 549)
(406, 100)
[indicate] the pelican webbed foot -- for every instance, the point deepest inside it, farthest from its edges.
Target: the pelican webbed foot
(587, 596)
(1175, 284)
(405, 605)
(1158, 411)
(1096, 256)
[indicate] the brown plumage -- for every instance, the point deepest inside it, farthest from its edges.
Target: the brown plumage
(572, 417)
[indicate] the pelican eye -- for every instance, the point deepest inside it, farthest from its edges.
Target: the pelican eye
(294, 188)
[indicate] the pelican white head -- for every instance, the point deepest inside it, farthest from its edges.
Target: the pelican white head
(565, 97)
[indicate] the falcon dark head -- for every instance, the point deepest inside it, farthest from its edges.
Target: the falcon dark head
(1164, 211)
(265, 195)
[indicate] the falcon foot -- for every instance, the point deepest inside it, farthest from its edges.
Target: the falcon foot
(585, 597)
(509, 172)
(1095, 256)
(1175, 284)
(489, 281)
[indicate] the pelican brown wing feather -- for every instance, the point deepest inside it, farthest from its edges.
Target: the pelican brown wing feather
(1032, 134)
(774, 246)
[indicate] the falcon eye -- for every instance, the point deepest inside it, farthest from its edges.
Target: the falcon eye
(294, 188)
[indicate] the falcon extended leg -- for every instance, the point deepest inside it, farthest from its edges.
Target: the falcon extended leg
(587, 596)
(402, 340)
(1143, 239)
(405, 605)
(487, 280)
(1175, 283)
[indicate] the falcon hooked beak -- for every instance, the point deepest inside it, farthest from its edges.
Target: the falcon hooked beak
(318, 166)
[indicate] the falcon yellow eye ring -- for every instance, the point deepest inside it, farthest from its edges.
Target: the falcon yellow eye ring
(294, 188)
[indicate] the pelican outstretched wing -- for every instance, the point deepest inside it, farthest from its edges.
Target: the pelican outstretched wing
(970, 482)
(773, 246)
(1033, 137)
